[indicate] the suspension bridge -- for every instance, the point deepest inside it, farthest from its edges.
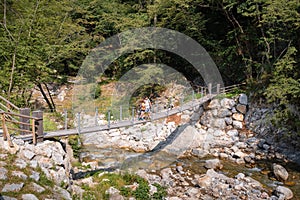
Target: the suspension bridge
(30, 127)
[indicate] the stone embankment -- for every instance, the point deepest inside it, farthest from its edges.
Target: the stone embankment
(32, 172)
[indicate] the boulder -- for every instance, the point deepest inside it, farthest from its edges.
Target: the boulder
(14, 187)
(241, 108)
(213, 164)
(280, 172)
(238, 117)
(243, 99)
(227, 103)
(286, 192)
(237, 124)
(29, 197)
(214, 104)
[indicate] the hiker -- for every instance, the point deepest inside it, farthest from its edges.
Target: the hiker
(148, 107)
(142, 110)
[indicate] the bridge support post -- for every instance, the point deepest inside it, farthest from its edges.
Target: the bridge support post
(39, 125)
(24, 111)
(96, 117)
(209, 88)
(78, 122)
(66, 118)
(121, 109)
(108, 119)
(132, 117)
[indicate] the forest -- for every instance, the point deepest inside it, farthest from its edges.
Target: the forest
(256, 42)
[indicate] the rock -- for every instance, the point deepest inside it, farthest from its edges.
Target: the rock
(241, 108)
(219, 123)
(281, 190)
(237, 124)
(20, 163)
(64, 194)
(57, 158)
(213, 164)
(3, 173)
(228, 120)
(219, 133)
(37, 188)
(233, 132)
(8, 198)
(247, 159)
(28, 154)
(114, 194)
(224, 155)
(19, 174)
(238, 117)
(35, 176)
(14, 187)
(280, 172)
(239, 154)
(29, 197)
(227, 103)
(224, 113)
(213, 104)
(58, 175)
(243, 99)
(204, 181)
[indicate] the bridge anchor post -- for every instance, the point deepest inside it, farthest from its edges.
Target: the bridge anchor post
(39, 125)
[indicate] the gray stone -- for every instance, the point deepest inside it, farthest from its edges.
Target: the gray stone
(243, 99)
(37, 188)
(19, 174)
(237, 124)
(58, 175)
(228, 120)
(28, 154)
(20, 163)
(64, 194)
(3, 173)
(219, 123)
(280, 172)
(8, 198)
(227, 103)
(224, 113)
(57, 158)
(233, 132)
(219, 133)
(14, 187)
(281, 190)
(35, 176)
(114, 194)
(213, 164)
(29, 197)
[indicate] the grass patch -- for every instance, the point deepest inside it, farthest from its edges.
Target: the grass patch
(122, 182)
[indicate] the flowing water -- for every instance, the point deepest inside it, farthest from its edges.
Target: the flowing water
(122, 159)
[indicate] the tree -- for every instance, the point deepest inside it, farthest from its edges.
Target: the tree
(38, 38)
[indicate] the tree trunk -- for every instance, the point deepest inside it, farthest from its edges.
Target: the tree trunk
(52, 109)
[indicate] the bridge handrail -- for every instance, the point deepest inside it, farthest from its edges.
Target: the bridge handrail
(9, 103)
(6, 135)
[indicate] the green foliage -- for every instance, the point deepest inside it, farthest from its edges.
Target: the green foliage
(74, 142)
(122, 183)
(284, 91)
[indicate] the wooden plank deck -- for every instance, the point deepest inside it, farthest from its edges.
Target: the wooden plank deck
(120, 124)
